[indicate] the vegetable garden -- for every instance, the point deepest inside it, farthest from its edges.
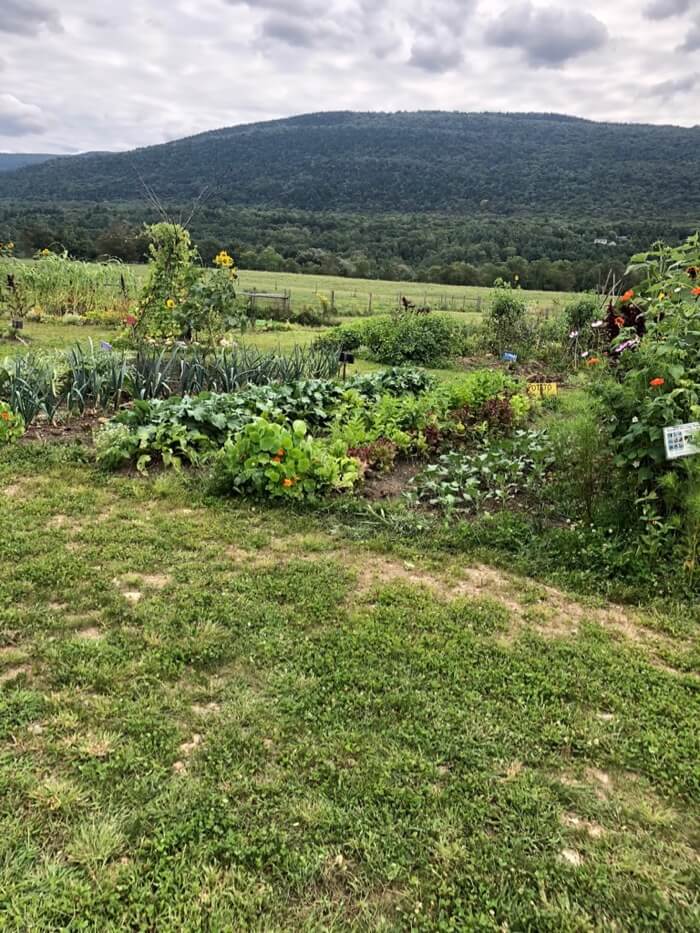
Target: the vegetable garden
(412, 645)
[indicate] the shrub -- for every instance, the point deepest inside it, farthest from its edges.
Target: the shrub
(428, 340)
(274, 461)
(581, 312)
(504, 323)
(11, 424)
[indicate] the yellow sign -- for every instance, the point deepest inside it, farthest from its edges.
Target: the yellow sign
(541, 389)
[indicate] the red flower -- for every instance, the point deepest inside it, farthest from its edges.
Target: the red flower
(130, 320)
(696, 291)
(658, 382)
(593, 361)
(620, 321)
(628, 296)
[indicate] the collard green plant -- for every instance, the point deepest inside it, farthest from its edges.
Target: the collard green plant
(491, 476)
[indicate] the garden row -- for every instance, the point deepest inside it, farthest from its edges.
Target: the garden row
(91, 379)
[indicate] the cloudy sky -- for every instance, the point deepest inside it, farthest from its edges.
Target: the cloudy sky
(79, 74)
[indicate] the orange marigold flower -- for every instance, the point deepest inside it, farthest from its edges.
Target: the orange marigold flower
(696, 291)
(5, 415)
(658, 382)
(277, 460)
(593, 361)
(287, 483)
(628, 296)
(620, 321)
(281, 452)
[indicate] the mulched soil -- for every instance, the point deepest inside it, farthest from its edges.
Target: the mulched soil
(75, 429)
(391, 485)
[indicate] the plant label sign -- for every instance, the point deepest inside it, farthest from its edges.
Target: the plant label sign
(542, 389)
(682, 440)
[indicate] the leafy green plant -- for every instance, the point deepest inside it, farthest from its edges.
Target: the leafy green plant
(11, 424)
(581, 312)
(492, 475)
(275, 461)
(210, 306)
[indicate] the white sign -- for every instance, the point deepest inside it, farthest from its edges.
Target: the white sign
(680, 440)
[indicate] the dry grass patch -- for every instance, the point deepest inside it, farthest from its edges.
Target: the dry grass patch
(129, 585)
(592, 829)
(89, 634)
(13, 673)
(542, 609)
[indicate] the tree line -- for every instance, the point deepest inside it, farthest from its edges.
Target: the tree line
(548, 254)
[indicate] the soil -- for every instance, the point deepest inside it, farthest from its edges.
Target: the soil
(391, 485)
(76, 429)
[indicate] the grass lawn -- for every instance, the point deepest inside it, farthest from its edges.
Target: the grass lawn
(217, 716)
(47, 336)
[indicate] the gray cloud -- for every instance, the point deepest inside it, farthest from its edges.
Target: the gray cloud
(547, 36)
(290, 29)
(139, 74)
(664, 9)
(27, 17)
(434, 56)
(300, 8)
(692, 40)
(18, 118)
(667, 89)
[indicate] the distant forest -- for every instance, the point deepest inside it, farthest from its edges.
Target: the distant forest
(460, 250)
(506, 164)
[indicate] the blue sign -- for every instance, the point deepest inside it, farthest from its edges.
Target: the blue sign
(510, 357)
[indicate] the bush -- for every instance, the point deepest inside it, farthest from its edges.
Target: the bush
(658, 386)
(274, 461)
(424, 339)
(581, 312)
(504, 323)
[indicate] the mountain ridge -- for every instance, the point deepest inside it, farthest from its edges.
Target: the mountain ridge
(406, 162)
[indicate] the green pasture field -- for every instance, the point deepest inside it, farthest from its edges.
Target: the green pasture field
(352, 295)
(86, 285)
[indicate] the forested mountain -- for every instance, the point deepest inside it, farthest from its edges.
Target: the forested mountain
(531, 164)
(10, 161)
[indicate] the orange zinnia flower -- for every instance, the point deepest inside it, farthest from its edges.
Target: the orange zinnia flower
(277, 460)
(657, 382)
(628, 296)
(696, 291)
(287, 483)
(593, 361)
(5, 415)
